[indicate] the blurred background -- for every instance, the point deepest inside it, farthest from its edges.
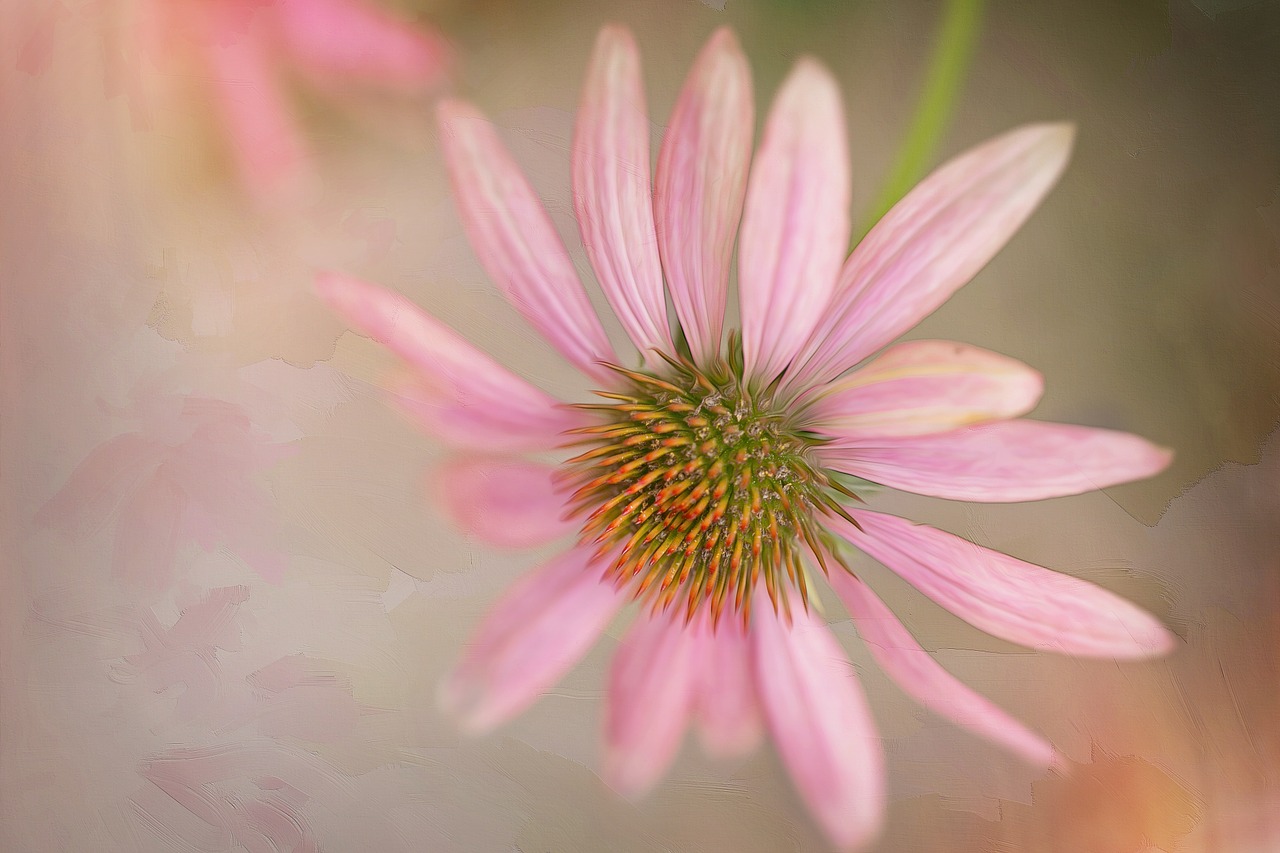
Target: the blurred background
(227, 594)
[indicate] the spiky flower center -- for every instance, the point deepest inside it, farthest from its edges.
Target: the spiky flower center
(695, 490)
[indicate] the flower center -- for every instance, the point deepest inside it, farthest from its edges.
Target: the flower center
(698, 490)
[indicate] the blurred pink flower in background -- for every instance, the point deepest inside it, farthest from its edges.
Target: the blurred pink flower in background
(715, 478)
(190, 473)
(247, 49)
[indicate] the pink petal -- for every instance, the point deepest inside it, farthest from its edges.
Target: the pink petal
(102, 480)
(932, 242)
(147, 536)
(539, 629)
(924, 387)
(1009, 598)
(820, 722)
(611, 191)
(795, 230)
(461, 394)
(1003, 461)
(651, 687)
(268, 147)
(504, 501)
(701, 180)
(337, 39)
(727, 711)
(515, 240)
(920, 676)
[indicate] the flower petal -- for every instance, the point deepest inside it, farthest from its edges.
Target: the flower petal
(460, 393)
(101, 482)
(795, 229)
(1007, 597)
(539, 629)
(701, 181)
(920, 676)
(270, 153)
(727, 711)
(338, 39)
(1004, 461)
(651, 687)
(612, 195)
(504, 501)
(924, 387)
(515, 240)
(149, 532)
(931, 243)
(820, 722)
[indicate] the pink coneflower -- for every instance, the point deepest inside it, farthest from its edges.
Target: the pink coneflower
(247, 49)
(714, 481)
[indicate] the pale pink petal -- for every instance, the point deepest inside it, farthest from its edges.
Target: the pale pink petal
(931, 243)
(611, 191)
(795, 229)
(504, 501)
(820, 723)
(1004, 461)
(924, 387)
(651, 688)
(539, 629)
(515, 240)
(460, 393)
(268, 146)
(920, 676)
(701, 180)
(1007, 597)
(468, 426)
(339, 39)
(727, 711)
(103, 479)
(147, 535)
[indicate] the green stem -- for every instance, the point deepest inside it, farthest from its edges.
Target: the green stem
(951, 56)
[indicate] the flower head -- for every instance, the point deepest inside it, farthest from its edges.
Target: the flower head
(716, 477)
(247, 47)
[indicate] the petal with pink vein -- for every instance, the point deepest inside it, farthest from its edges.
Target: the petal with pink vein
(338, 39)
(700, 184)
(795, 228)
(931, 243)
(515, 240)
(651, 686)
(820, 723)
(459, 392)
(505, 501)
(539, 629)
(612, 195)
(1007, 597)
(924, 387)
(726, 707)
(1018, 460)
(919, 675)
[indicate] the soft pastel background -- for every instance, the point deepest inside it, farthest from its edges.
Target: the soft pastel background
(226, 596)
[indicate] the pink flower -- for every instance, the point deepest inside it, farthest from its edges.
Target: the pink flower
(190, 474)
(246, 46)
(716, 476)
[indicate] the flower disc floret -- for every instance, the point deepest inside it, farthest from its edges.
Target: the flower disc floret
(695, 489)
